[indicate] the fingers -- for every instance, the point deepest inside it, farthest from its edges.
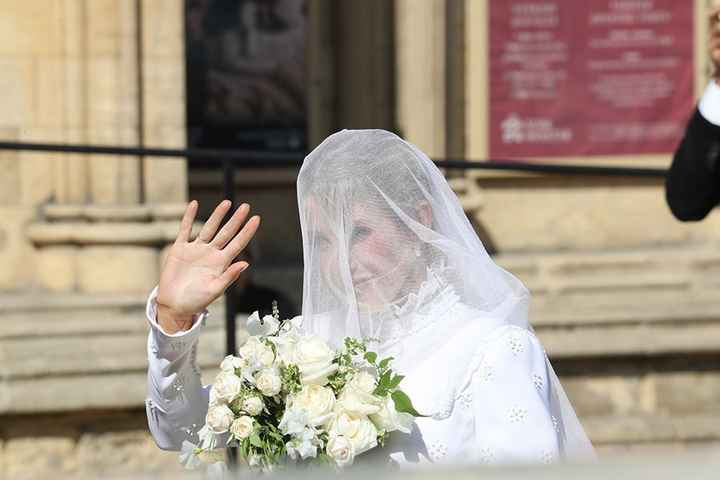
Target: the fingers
(231, 227)
(241, 239)
(208, 230)
(187, 222)
(232, 273)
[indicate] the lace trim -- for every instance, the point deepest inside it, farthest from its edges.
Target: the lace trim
(420, 310)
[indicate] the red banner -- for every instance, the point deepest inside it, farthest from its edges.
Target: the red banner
(591, 77)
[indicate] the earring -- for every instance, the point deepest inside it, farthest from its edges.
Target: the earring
(418, 253)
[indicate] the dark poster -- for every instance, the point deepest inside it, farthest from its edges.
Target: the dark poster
(246, 74)
(591, 77)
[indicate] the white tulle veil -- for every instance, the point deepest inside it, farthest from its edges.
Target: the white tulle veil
(384, 236)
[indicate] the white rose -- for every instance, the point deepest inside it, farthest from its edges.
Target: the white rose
(363, 381)
(256, 354)
(242, 428)
(314, 358)
(357, 397)
(219, 418)
(268, 381)
(230, 363)
(227, 386)
(268, 325)
(389, 419)
(253, 405)
(340, 449)
(286, 343)
(358, 430)
(318, 401)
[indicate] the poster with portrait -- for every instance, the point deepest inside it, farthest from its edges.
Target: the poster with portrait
(591, 77)
(245, 74)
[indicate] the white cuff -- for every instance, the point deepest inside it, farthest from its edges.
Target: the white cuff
(709, 104)
(151, 314)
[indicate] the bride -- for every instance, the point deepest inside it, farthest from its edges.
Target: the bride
(389, 255)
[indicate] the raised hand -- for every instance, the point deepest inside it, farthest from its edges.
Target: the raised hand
(197, 272)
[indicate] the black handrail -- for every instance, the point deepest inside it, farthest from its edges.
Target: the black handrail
(263, 159)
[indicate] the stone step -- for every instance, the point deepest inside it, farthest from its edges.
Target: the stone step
(85, 320)
(63, 302)
(631, 340)
(100, 390)
(624, 307)
(85, 354)
(617, 430)
(667, 268)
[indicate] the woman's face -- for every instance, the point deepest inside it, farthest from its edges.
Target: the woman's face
(380, 253)
(382, 258)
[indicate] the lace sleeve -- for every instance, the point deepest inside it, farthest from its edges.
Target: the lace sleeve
(510, 391)
(176, 402)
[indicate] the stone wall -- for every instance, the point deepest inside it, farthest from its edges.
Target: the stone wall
(77, 71)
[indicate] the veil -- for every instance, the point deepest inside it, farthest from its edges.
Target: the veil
(384, 236)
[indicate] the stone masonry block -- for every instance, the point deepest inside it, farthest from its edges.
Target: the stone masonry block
(117, 269)
(56, 268)
(38, 457)
(688, 392)
(15, 250)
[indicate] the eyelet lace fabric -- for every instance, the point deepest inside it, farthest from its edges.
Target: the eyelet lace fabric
(438, 451)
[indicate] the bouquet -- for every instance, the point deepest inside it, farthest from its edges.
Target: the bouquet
(290, 398)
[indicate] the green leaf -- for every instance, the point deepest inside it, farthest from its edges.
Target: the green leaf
(371, 357)
(256, 442)
(384, 380)
(403, 403)
(395, 381)
(385, 362)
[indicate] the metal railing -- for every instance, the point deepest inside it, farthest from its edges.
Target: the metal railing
(231, 160)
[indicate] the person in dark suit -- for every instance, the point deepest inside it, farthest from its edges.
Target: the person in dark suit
(692, 186)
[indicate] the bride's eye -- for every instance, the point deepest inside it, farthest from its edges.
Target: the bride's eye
(359, 233)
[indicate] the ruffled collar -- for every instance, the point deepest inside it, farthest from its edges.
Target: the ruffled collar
(425, 307)
(433, 290)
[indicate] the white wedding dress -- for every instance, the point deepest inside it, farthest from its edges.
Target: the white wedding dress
(499, 413)
(390, 255)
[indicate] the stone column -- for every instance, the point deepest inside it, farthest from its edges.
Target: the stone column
(420, 73)
(112, 91)
(321, 70)
(163, 95)
(87, 72)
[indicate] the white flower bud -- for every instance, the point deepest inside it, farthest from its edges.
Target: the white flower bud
(253, 405)
(242, 428)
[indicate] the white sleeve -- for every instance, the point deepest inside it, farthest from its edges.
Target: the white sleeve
(709, 104)
(511, 401)
(176, 402)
